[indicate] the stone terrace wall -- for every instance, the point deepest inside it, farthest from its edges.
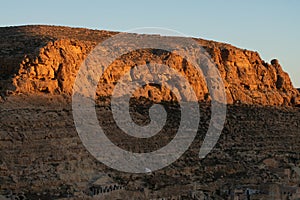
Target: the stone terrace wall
(42, 157)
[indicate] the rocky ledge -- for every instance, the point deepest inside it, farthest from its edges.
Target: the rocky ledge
(46, 59)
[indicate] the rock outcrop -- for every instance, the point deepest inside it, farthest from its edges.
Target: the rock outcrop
(46, 59)
(42, 156)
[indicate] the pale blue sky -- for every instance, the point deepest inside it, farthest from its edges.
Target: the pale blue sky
(271, 27)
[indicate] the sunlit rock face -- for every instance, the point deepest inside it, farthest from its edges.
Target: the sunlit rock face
(46, 59)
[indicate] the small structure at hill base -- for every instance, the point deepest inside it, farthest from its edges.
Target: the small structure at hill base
(104, 184)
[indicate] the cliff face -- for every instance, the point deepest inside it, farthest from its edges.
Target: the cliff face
(42, 156)
(46, 59)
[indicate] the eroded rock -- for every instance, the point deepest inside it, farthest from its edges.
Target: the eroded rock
(53, 56)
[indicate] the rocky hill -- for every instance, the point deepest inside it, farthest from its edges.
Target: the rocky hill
(42, 157)
(46, 59)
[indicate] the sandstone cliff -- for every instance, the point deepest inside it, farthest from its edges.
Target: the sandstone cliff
(42, 156)
(46, 59)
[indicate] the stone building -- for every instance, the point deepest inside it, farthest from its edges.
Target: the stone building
(104, 185)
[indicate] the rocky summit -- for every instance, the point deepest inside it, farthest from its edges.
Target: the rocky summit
(45, 59)
(42, 156)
